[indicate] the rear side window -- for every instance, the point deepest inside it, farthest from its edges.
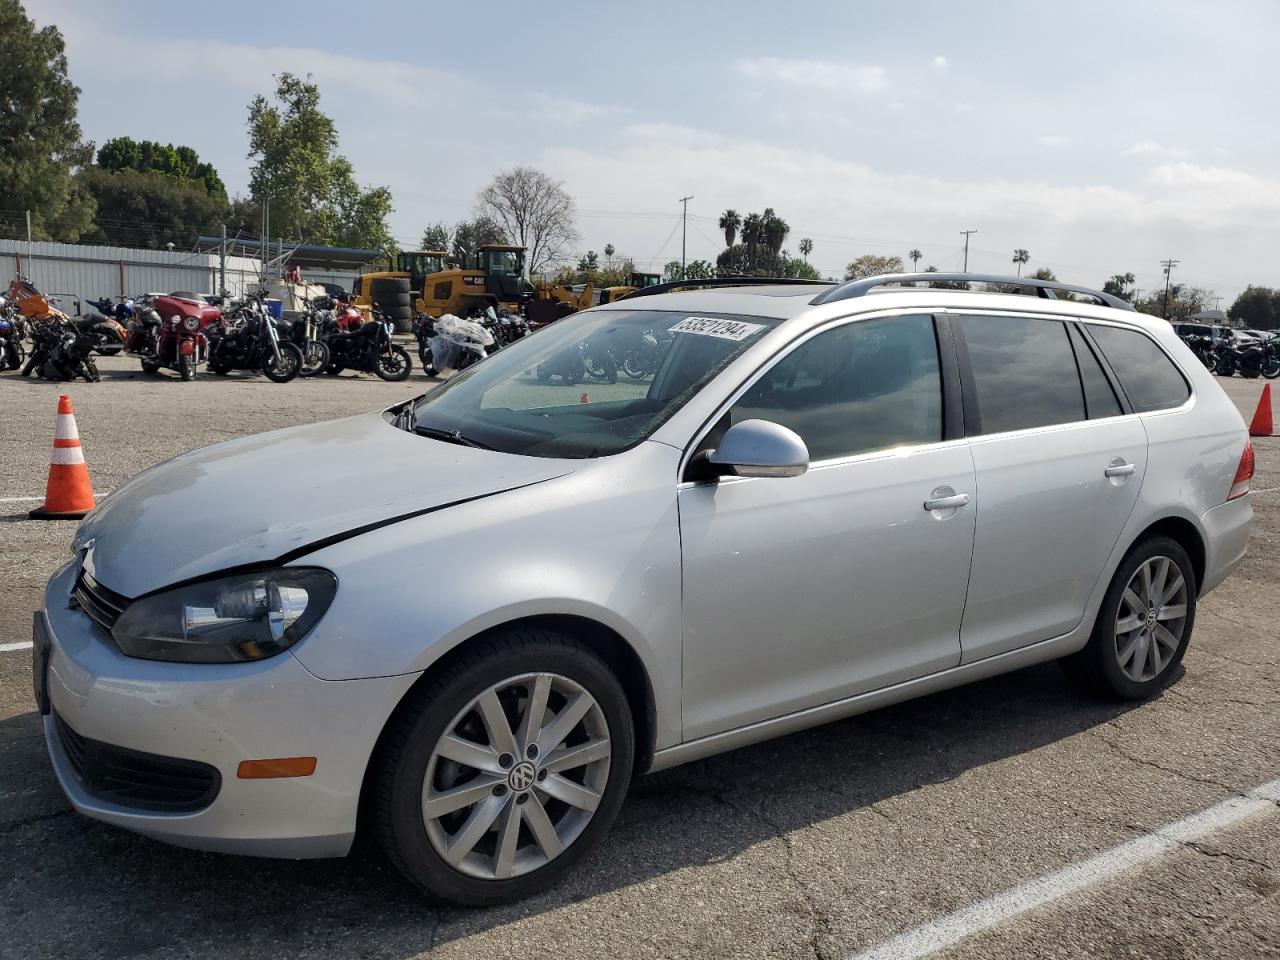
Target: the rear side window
(1148, 376)
(1024, 372)
(1099, 399)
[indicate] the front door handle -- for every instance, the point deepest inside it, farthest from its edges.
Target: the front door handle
(947, 503)
(1120, 470)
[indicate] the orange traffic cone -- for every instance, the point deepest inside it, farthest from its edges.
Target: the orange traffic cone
(1261, 425)
(68, 494)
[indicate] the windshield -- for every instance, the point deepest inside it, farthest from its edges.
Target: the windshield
(589, 385)
(503, 262)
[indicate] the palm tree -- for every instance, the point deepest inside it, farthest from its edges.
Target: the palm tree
(915, 256)
(729, 223)
(752, 236)
(775, 231)
(806, 248)
(1020, 257)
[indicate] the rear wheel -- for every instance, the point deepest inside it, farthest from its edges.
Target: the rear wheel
(150, 366)
(1143, 626)
(504, 770)
(1271, 368)
(287, 367)
(428, 361)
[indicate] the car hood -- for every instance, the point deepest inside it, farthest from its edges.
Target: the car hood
(281, 494)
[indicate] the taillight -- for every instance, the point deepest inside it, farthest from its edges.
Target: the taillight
(1244, 473)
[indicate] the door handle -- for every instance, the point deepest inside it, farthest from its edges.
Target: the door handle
(1120, 470)
(947, 503)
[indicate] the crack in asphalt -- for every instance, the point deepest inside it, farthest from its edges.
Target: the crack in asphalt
(1171, 771)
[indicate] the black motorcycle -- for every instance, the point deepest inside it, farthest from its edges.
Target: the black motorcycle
(367, 349)
(12, 352)
(1257, 359)
(304, 332)
(249, 341)
(61, 351)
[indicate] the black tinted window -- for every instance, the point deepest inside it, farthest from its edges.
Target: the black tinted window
(1024, 372)
(1099, 399)
(1149, 378)
(863, 386)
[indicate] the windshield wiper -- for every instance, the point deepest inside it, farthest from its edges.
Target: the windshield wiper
(450, 436)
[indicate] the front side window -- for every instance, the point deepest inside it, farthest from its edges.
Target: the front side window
(868, 385)
(1024, 372)
(590, 385)
(1149, 378)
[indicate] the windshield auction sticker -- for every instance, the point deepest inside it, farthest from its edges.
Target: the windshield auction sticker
(711, 327)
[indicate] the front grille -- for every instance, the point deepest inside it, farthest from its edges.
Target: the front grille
(102, 605)
(131, 778)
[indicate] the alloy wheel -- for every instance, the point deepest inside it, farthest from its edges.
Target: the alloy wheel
(1151, 620)
(516, 776)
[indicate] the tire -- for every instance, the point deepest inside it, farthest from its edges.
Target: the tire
(17, 354)
(1101, 667)
(315, 358)
(1271, 369)
(428, 361)
(291, 358)
(187, 369)
(1250, 373)
(334, 369)
(90, 370)
(394, 365)
(506, 671)
(219, 369)
(1225, 366)
(393, 296)
(150, 366)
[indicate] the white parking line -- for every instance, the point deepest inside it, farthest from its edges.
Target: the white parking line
(33, 499)
(946, 931)
(22, 645)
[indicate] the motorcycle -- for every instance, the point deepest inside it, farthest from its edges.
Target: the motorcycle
(252, 342)
(367, 349)
(172, 331)
(304, 332)
(61, 351)
(504, 328)
(109, 324)
(12, 352)
(457, 344)
(1258, 359)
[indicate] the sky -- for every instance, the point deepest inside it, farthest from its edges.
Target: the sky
(1103, 137)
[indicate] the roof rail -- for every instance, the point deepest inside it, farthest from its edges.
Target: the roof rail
(711, 282)
(1043, 288)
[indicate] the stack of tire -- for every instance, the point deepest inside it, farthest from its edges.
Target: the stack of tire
(393, 297)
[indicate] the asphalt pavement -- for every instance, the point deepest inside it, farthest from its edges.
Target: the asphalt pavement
(948, 823)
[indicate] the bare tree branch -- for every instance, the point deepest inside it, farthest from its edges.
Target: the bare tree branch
(535, 211)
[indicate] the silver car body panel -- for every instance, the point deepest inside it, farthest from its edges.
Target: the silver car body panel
(789, 605)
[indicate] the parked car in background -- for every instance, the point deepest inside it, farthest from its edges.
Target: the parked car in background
(820, 499)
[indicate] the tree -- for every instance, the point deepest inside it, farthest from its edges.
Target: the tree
(806, 248)
(915, 256)
(870, 265)
(1042, 273)
(693, 270)
(775, 231)
(1120, 285)
(437, 237)
(470, 235)
(1257, 308)
(40, 140)
(534, 211)
(147, 156)
(799, 269)
(729, 223)
(310, 188)
(1020, 257)
(149, 209)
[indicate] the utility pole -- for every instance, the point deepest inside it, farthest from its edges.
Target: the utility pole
(222, 260)
(684, 231)
(1168, 269)
(966, 249)
(29, 252)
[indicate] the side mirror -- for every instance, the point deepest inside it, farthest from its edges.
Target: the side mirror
(759, 448)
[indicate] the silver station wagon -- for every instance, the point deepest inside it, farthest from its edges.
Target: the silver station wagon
(687, 521)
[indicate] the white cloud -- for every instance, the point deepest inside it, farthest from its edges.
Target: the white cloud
(568, 111)
(1054, 140)
(940, 62)
(822, 74)
(1150, 148)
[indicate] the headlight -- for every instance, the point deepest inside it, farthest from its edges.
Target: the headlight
(191, 323)
(175, 320)
(248, 616)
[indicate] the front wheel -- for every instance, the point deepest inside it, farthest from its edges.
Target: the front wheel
(1143, 626)
(1225, 367)
(428, 361)
(394, 365)
(187, 368)
(315, 358)
(1271, 368)
(287, 367)
(505, 769)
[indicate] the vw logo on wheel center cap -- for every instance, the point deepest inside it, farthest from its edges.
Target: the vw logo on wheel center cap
(522, 776)
(1151, 619)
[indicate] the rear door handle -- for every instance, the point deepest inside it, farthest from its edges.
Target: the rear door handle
(1120, 470)
(947, 503)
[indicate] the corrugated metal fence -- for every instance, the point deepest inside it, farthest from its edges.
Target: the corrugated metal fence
(76, 271)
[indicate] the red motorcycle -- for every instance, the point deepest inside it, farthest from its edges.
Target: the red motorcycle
(172, 331)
